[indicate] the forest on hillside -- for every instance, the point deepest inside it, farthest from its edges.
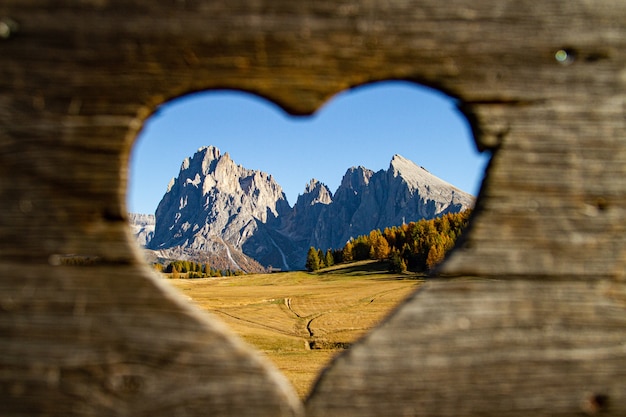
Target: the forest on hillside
(416, 246)
(191, 269)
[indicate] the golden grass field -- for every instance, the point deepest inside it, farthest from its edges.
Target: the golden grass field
(302, 320)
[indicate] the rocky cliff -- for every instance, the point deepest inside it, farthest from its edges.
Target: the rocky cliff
(366, 200)
(142, 227)
(215, 206)
(216, 203)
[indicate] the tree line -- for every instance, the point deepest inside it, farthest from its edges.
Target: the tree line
(416, 246)
(191, 269)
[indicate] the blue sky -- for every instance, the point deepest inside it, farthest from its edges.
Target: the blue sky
(363, 126)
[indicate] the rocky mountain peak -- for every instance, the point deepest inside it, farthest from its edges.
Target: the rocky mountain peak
(356, 178)
(214, 201)
(311, 185)
(203, 160)
(217, 206)
(208, 154)
(418, 178)
(315, 192)
(399, 163)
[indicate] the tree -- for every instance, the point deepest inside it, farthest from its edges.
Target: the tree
(390, 236)
(421, 245)
(380, 247)
(329, 260)
(396, 263)
(337, 256)
(435, 255)
(347, 252)
(361, 248)
(312, 260)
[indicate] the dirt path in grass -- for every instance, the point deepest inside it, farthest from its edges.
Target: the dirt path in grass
(299, 320)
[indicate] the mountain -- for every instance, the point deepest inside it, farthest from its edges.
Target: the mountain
(366, 200)
(142, 227)
(216, 209)
(214, 206)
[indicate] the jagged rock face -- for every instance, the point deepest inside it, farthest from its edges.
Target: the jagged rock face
(142, 227)
(403, 193)
(306, 212)
(315, 193)
(366, 200)
(338, 219)
(294, 231)
(214, 199)
(215, 204)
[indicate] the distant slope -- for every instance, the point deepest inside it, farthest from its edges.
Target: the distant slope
(142, 227)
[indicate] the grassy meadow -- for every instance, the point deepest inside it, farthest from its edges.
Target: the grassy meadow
(301, 320)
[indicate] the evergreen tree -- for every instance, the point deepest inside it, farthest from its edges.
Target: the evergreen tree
(396, 263)
(312, 260)
(361, 248)
(337, 256)
(322, 258)
(347, 252)
(329, 259)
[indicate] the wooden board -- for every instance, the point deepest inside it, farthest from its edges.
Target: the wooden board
(542, 83)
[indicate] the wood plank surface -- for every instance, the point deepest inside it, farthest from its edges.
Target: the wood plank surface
(471, 347)
(543, 85)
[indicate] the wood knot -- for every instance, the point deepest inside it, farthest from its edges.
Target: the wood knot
(565, 56)
(595, 404)
(8, 27)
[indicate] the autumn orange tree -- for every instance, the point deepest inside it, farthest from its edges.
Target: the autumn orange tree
(416, 246)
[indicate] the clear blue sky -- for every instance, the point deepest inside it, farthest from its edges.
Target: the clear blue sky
(364, 126)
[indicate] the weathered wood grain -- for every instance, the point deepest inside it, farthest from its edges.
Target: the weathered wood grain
(109, 340)
(78, 79)
(488, 348)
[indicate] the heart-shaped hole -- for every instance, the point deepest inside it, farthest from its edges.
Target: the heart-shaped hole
(297, 319)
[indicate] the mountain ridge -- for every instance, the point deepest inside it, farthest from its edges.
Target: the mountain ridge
(213, 199)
